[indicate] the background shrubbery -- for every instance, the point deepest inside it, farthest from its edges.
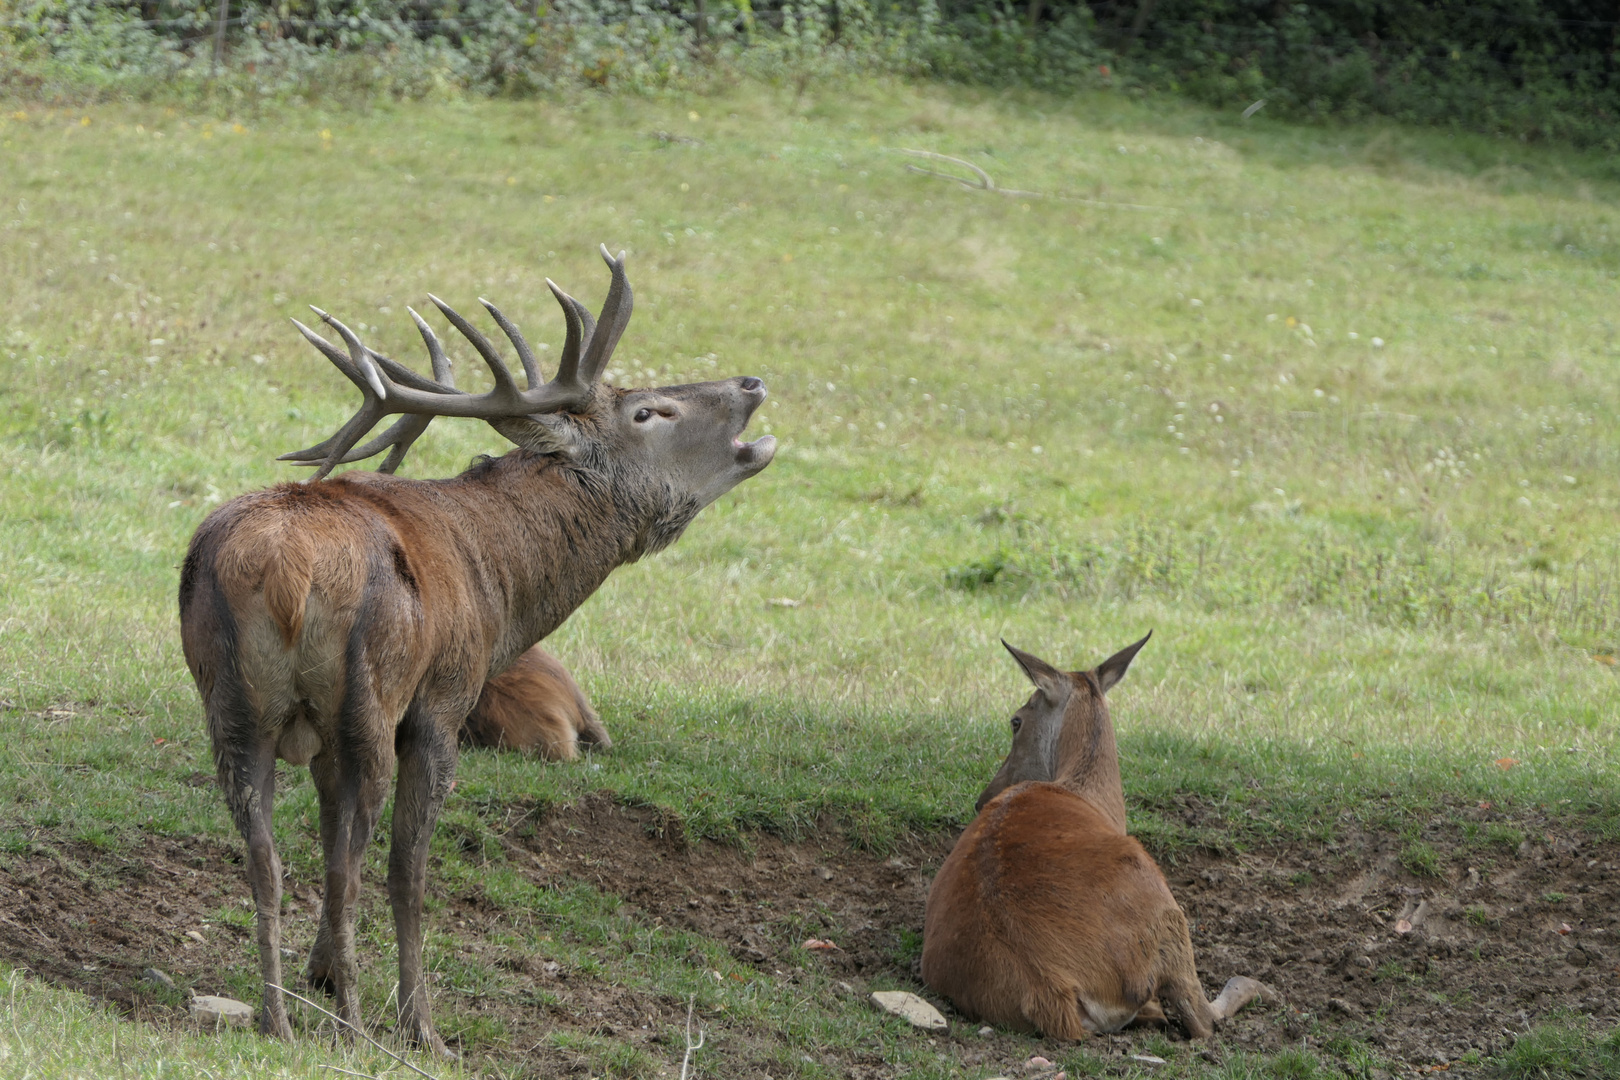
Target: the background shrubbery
(1531, 68)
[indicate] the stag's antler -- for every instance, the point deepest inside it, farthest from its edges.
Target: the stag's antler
(389, 387)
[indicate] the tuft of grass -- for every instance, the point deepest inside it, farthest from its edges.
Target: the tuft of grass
(1560, 1050)
(1422, 859)
(54, 1032)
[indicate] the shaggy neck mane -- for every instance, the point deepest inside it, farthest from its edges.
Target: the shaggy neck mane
(591, 516)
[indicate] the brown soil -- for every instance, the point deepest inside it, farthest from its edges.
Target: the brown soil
(1498, 943)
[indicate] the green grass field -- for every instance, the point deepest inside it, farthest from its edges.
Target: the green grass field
(1332, 411)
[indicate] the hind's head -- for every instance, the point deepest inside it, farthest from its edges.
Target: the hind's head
(1064, 735)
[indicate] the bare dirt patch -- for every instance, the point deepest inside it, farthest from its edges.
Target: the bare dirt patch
(1426, 968)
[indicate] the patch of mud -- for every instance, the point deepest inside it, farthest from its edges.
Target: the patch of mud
(1425, 969)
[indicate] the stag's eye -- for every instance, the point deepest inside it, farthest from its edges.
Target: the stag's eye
(1017, 722)
(643, 415)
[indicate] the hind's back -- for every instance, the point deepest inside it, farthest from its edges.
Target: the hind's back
(1046, 917)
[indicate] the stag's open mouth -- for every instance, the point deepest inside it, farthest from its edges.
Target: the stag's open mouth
(757, 454)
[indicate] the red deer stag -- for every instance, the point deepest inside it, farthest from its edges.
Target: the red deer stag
(535, 705)
(350, 623)
(1046, 916)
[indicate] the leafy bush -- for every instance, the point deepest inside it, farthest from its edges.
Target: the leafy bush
(1535, 68)
(1532, 68)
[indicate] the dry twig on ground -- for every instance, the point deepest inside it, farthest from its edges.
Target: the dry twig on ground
(985, 183)
(351, 1027)
(691, 1047)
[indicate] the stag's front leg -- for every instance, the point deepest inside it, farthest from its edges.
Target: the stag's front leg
(427, 764)
(352, 784)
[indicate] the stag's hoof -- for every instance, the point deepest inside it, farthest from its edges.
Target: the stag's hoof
(427, 1040)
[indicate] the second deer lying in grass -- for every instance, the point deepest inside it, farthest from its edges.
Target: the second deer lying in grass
(1046, 916)
(535, 706)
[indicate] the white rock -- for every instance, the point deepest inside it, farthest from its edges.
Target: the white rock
(1148, 1059)
(216, 1012)
(910, 1008)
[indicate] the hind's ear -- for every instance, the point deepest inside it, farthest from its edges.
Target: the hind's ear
(1046, 678)
(1113, 669)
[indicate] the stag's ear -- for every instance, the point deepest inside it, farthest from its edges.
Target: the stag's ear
(1048, 679)
(1113, 669)
(542, 434)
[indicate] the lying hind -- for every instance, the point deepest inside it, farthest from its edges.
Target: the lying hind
(537, 707)
(1046, 917)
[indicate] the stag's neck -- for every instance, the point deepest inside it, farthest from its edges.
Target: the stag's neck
(547, 535)
(1088, 765)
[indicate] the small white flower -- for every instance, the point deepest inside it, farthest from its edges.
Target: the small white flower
(1378, 343)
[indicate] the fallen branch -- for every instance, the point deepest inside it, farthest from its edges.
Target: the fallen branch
(985, 183)
(691, 1047)
(351, 1027)
(347, 1072)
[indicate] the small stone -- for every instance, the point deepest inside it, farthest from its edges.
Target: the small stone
(217, 1012)
(986, 1031)
(823, 873)
(1037, 1062)
(1577, 958)
(195, 936)
(1339, 1005)
(157, 977)
(1148, 1059)
(910, 1008)
(1364, 961)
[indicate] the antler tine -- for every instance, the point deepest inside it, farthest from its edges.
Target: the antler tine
(531, 367)
(497, 367)
(441, 363)
(332, 452)
(400, 435)
(614, 318)
(331, 352)
(359, 355)
(568, 365)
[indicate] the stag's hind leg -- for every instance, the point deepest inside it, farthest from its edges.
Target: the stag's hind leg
(352, 782)
(427, 765)
(247, 776)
